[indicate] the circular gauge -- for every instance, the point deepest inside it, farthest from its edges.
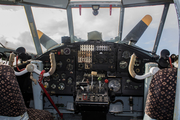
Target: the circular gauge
(53, 86)
(137, 62)
(47, 66)
(68, 60)
(46, 84)
(126, 54)
(123, 64)
(63, 75)
(115, 84)
(46, 79)
(111, 54)
(69, 80)
(137, 70)
(81, 66)
(78, 78)
(67, 51)
(111, 61)
(95, 60)
(55, 76)
(101, 60)
(60, 64)
(69, 67)
(61, 86)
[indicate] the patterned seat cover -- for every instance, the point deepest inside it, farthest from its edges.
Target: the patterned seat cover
(161, 94)
(35, 114)
(11, 99)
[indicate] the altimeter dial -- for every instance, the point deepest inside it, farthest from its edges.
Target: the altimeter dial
(115, 85)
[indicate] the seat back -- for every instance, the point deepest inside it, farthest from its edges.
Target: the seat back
(11, 99)
(161, 94)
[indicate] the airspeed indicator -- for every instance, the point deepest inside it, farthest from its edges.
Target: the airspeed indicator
(115, 84)
(123, 64)
(126, 54)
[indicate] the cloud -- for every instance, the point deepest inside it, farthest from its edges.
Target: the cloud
(171, 20)
(23, 40)
(169, 40)
(53, 22)
(170, 35)
(133, 15)
(7, 42)
(10, 7)
(12, 23)
(3, 40)
(54, 27)
(103, 22)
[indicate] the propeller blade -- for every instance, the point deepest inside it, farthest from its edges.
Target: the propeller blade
(46, 41)
(138, 30)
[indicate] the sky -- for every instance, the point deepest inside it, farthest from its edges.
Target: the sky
(14, 28)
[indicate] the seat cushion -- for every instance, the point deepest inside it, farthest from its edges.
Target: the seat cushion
(11, 99)
(35, 114)
(161, 94)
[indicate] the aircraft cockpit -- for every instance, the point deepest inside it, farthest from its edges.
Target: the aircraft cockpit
(101, 69)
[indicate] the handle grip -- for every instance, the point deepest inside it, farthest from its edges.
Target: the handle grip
(11, 59)
(151, 72)
(131, 65)
(53, 63)
(33, 68)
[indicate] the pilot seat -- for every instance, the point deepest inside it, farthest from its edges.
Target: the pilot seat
(161, 95)
(12, 106)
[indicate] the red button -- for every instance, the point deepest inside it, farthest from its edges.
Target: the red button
(106, 80)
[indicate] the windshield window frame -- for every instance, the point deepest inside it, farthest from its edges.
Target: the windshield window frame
(88, 4)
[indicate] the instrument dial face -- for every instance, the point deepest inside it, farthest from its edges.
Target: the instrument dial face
(101, 60)
(53, 86)
(137, 62)
(126, 54)
(61, 86)
(46, 79)
(60, 64)
(63, 75)
(115, 84)
(123, 64)
(55, 76)
(69, 80)
(46, 84)
(67, 51)
(69, 67)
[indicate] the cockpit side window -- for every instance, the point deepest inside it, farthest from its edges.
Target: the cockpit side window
(53, 22)
(134, 14)
(169, 36)
(14, 31)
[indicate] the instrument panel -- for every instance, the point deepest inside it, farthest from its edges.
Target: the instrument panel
(77, 61)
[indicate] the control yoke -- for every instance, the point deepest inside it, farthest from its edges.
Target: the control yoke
(33, 68)
(151, 72)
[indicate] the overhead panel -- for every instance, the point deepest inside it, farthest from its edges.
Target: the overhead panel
(51, 3)
(8, 2)
(132, 3)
